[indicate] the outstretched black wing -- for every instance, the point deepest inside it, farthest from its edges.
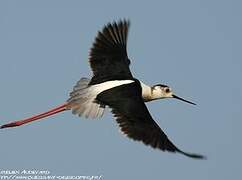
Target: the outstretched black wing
(134, 118)
(108, 56)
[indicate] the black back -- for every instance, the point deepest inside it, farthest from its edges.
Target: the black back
(108, 56)
(134, 118)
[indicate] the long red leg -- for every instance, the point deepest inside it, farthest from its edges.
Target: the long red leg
(36, 117)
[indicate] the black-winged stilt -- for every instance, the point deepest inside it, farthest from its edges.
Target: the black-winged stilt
(114, 86)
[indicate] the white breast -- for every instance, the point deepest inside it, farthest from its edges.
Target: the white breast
(146, 92)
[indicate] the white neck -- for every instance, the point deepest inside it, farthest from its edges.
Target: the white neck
(146, 92)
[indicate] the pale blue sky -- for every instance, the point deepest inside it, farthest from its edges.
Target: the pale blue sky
(193, 46)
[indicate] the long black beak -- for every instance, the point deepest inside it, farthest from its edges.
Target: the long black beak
(174, 96)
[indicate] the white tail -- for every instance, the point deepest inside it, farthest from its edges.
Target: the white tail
(83, 97)
(82, 100)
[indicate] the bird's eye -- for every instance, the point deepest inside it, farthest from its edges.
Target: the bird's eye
(167, 90)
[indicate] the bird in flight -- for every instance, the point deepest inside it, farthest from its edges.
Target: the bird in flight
(113, 85)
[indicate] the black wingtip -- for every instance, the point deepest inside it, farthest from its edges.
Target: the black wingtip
(192, 155)
(117, 31)
(123, 21)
